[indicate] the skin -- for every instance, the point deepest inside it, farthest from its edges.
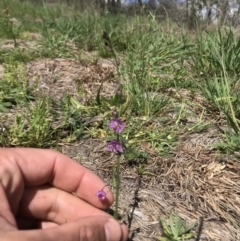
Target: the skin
(46, 196)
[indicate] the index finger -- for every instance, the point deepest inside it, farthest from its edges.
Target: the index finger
(40, 166)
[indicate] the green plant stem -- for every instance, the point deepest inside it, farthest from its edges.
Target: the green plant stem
(117, 182)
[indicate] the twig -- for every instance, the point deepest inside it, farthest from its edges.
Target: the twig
(200, 228)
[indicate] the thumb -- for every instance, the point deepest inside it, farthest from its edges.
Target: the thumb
(94, 228)
(100, 228)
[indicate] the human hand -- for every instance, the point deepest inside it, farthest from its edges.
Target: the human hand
(36, 197)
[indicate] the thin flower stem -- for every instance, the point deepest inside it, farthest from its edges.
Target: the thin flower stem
(117, 181)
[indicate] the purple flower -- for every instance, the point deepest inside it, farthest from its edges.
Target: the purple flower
(117, 125)
(115, 113)
(115, 146)
(101, 195)
(115, 82)
(119, 91)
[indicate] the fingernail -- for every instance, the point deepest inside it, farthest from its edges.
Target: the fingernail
(112, 230)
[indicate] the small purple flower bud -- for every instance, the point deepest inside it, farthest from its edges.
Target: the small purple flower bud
(115, 113)
(115, 82)
(119, 91)
(115, 146)
(101, 195)
(117, 125)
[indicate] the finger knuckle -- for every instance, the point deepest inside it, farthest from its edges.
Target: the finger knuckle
(87, 233)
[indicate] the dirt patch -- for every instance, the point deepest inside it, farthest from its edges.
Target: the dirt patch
(82, 80)
(8, 45)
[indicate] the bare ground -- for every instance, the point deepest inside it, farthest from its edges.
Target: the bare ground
(196, 181)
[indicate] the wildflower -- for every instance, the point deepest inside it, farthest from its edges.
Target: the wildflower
(119, 91)
(115, 113)
(115, 82)
(116, 124)
(101, 195)
(115, 146)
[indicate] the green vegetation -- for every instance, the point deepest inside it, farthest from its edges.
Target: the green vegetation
(153, 58)
(162, 70)
(176, 230)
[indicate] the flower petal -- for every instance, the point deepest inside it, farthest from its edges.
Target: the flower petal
(101, 195)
